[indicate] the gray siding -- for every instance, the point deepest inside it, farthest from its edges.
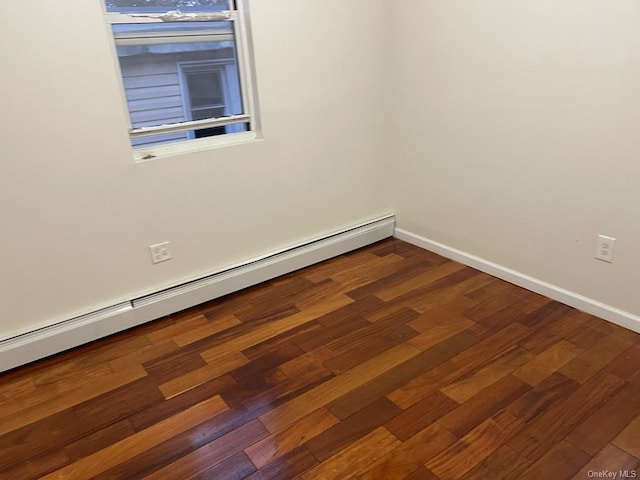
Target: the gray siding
(153, 91)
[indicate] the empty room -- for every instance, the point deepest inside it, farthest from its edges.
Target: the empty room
(253, 239)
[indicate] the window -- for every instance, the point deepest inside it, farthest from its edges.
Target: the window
(185, 73)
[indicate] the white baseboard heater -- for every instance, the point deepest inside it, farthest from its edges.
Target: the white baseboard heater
(41, 343)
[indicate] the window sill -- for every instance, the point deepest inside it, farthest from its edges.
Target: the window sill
(143, 155)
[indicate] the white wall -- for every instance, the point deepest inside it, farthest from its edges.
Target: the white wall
(518, 137)
(77, 213)
(515, 140)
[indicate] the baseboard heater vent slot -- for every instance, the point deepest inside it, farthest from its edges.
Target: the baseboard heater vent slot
(25, 347)
(260, 269)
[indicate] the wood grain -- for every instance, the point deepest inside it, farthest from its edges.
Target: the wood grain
(116, 453)
(389, 362)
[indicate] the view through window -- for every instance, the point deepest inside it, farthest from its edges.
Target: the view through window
(183, 69)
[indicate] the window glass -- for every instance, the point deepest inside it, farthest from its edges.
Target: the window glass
(184, 75)
(169, 78)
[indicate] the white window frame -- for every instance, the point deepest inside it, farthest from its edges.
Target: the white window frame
(238, 15)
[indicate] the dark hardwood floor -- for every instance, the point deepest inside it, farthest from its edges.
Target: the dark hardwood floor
(386, 363)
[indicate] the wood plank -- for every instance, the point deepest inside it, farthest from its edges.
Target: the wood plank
(430, 275)
(474, 447)
(50, 402)
(111, 456)
(626, 364)
(350, 429)
(355, 458)
(408, 456)
(544, 431)
(561, 328)
(442, 315)
(454, 368)
(503, 464)
(421, 473)
(213, 327)
(237, 344)
(183, 325)
(474, 382)
(546, 394)
(174, 366)
(629, 439)
(178, 446)
(315, 338)
(593, 360)
(348, 341)
(235, 467)
(609, 459)
(561, 462)
(410, 270)
(420, 416)
(197, 377)
(202, 459)
(162, 410)
(604, 424)
(546, 315)
(448, 293)
(276, 445)
(15, 389)
(530, 302)
(71, 424)
(483, 312)
(437, 333)
(270, 360)
(369, 272)
(321, 271)
(501, 319)
(361, 396)
(286, 467)
(98, 440)
(548, 362)
(37, 467)
(309, 365)
(284, 415)
(485, 404)
(368, 347)
(589, 334)
(315, 311)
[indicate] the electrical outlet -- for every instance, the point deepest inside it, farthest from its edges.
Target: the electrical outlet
(604, 251)
(160, 252)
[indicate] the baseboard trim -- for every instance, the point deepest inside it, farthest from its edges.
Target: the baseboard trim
(585, 304)
(35, 345)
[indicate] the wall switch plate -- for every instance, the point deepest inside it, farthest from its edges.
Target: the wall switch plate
(160, 252)
(604, 251)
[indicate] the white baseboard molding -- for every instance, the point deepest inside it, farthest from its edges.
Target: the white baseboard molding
(41, 343)
(585, 304)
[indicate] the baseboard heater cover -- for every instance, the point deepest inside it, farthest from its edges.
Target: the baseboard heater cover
(47, 341)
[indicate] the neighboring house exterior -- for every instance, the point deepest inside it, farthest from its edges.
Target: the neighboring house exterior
(179, 72)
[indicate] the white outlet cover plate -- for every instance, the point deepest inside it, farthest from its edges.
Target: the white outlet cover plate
(160, 252)
(605, 248)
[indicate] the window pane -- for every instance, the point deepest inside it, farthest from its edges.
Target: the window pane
(202, 114)
(205, 88)
(176, 32)
(171, 79)
(158, 6)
